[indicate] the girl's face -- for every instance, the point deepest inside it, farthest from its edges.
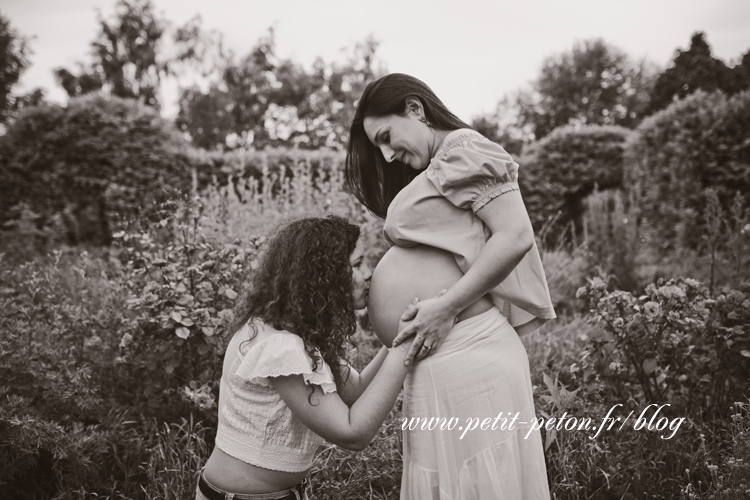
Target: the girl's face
(401, 137)
(361, 276)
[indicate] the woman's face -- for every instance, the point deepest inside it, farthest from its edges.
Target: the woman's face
(401, 137)
(361, 276)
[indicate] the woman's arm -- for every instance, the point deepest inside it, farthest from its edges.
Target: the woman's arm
(328, 416)
(356, 383)
(512, 237)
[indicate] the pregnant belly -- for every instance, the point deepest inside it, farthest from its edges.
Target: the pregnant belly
(405, 273)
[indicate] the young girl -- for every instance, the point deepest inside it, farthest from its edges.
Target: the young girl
(286, 385)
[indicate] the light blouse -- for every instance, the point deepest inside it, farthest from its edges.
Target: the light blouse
(438, 208)
(255, 425)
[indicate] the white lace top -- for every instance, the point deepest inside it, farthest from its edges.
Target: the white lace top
(255, 425)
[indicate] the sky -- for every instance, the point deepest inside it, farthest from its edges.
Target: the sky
(471, 52)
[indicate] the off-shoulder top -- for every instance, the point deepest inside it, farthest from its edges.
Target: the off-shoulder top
(255, 425)
(438, 208)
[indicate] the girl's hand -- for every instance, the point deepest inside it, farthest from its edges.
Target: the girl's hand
(431, 323)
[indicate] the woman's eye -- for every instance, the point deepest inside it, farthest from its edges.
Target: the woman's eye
(386, 137)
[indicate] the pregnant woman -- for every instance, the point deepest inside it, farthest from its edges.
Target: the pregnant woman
(455, 220)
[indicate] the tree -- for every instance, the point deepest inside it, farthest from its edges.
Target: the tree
(126, 55)
(14, 59)
(593, 84)
(693, 69)
(264, 100)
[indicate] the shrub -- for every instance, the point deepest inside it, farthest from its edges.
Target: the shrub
(86, 164)
(561, 169)
(696, 143)
(675, 343)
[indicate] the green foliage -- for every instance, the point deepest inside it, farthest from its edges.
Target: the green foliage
(125, 55)
(695, 69)
(84, 166)
(182, 289)
(610, 234)
(673, 344)
(14, 59)
(559, 171)
(263, 100)
(176, 460)
(592, 84)
(696, 143)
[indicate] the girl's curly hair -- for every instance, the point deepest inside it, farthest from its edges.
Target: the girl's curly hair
(304, 286)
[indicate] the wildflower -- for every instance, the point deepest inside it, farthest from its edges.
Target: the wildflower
(125, 341)
(618, 322)
(580, 292)
(668, 292)
(651, 309)
(692, 283)
(574, 368)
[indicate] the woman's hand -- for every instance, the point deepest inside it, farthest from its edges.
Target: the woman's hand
(431, 322)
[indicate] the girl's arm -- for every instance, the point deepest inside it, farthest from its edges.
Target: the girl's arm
(356, 383)
(512, 237)
(328, 416)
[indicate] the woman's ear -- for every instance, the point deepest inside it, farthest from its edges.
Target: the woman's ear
(414, 105)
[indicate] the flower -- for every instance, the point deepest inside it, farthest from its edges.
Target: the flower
(618, 322)
(651, 309)
(667, 292)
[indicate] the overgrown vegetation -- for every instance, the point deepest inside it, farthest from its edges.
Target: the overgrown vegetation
(123, 250)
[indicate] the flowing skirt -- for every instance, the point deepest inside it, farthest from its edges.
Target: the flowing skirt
(477, 386)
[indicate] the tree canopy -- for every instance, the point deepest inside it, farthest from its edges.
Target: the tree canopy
(697, 68)
(14, 59)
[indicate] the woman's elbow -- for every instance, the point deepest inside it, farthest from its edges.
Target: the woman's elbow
(520, 239)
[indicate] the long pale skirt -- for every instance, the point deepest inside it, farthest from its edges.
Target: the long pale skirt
(479, 375)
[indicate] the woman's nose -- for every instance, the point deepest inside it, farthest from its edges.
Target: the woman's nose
(388, 153)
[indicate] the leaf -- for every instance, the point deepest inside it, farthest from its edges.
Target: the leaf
(745, 353)
(231, 294)
(208, 331)
(649, 366)
(182, 332)
(180, 288)
(176, 316)
(187, 322)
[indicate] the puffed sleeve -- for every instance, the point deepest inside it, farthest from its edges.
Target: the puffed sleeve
(284, 354)
(471, 174)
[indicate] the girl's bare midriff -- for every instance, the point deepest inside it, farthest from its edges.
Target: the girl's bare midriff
(231, 474)
(405, 273)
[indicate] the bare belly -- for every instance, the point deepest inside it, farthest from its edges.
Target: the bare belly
(405, 273)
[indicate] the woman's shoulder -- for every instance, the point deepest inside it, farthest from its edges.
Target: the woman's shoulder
(458, 138)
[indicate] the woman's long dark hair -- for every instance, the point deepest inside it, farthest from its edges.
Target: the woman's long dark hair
(304, 286)
(370, 178)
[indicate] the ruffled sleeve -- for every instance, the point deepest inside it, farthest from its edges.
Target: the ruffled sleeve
(473, 172)
(284, 354)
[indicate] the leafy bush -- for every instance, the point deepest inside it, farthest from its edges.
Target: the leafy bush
(182, 289)
(675, 343)
(696, 143)
(86, 164)
(561, 169)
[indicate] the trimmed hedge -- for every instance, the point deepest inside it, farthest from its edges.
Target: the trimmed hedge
(75, 172)
(562, 169)
(700, 142)
(79, 166)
